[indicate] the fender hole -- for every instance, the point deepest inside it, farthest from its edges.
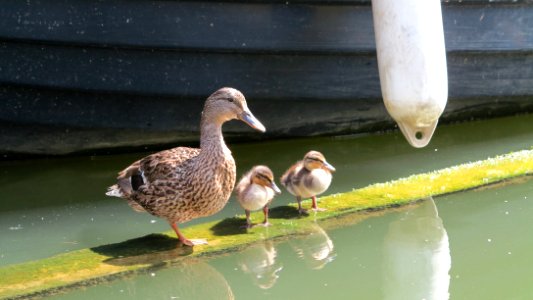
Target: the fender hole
(419, 135)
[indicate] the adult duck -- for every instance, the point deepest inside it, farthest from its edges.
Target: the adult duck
(308, 178)
(182, 183)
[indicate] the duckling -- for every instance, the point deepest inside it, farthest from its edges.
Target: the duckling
(255, 191)
(308, 178)
(182, 183)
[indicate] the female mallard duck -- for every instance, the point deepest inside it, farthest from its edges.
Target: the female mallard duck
(255, 191)
(183, 183)
(308, 178)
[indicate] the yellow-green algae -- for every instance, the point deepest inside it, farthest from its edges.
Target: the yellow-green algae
(103, 263)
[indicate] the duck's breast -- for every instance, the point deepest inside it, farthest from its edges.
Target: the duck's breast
(205, 190)
(255, 197)
(217, 187)
(317, 182)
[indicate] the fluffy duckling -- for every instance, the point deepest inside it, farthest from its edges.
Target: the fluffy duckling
(255, 191)
(184, 183)
(308, 178)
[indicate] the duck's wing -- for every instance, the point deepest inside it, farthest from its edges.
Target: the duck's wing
(293, 175)
(161, 165)
(243, 183)
(164, 164)
(162, 196)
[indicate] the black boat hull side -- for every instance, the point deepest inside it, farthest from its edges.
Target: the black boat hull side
(79, 76)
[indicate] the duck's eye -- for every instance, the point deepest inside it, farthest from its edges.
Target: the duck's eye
(264, 177)
(229, 99)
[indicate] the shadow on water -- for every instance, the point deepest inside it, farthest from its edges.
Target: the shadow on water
(149, 249)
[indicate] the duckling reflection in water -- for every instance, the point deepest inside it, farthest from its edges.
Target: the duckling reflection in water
(255, 191)
(316, 249)
(184, 183)
(259, 261)
(309, 177)
(417, 255)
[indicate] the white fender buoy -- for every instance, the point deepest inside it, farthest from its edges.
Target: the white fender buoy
(412, 64)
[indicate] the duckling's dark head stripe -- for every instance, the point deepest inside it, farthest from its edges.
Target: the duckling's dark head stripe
(264, 177)
(315, 159)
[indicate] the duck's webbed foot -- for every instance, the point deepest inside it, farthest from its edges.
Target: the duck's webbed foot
(265, 224)
(186, 241)
(194, 242)
(315, 206)
(303, 211)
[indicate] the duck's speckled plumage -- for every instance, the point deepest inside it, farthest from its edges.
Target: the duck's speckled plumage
(308, 177)
(183, 183)
(200, 186)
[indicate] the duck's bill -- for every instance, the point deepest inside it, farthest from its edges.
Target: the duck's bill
(329, 167)
(275, 188)
(248, 118)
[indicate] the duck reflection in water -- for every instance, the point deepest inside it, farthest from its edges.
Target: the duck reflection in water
(259, 261)
(202, 281)
(417, 255)
(316, 249)
(190, 279)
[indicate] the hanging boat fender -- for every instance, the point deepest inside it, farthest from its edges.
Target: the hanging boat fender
(412, 64)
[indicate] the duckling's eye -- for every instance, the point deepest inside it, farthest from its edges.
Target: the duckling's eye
(315, 159)
(229, 99)
(264, 178)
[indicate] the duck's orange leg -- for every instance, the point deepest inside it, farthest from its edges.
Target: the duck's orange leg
(315, 206)
(265, 212)
(185, 240)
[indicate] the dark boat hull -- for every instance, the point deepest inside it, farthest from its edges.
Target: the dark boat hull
(78, 76)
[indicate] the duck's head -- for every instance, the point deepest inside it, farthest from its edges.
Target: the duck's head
(228, 104)
(262, 175)
(316, 160)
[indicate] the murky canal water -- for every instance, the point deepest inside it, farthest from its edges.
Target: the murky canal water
(473, 245)
(56, 205)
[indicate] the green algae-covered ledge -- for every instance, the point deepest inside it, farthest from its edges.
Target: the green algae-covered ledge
(103, 263)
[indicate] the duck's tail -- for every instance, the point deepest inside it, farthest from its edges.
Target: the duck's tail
(116, 191)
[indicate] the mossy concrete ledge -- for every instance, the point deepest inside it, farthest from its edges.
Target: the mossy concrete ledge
(88, 266)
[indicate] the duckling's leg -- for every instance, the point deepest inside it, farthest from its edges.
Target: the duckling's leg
(265, 212)
(248, 220)
(185, 240)
(315, 206)
(300, 209)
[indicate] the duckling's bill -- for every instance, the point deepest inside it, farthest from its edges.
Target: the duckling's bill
(248, 118)
(274, 187)
(329, 166)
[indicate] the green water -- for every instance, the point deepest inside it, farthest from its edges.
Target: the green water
(474, 245)
(51, 206)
